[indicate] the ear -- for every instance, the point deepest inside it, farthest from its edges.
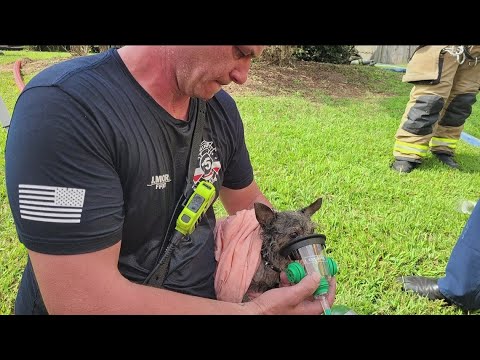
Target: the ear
(312, 208)
(263, 213)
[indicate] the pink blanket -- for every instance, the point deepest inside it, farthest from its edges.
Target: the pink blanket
(237, 252)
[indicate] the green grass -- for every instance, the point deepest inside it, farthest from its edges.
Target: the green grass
(11, 56)
(472, 125)
(379, 224)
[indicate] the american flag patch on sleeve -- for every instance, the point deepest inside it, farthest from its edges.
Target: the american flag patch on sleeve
(50, 203)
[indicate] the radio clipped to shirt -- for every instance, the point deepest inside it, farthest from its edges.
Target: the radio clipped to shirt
(195, 207)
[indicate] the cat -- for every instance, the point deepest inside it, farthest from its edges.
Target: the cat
(278, 228)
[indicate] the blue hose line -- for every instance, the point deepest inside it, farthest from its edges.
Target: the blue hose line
(470, 139)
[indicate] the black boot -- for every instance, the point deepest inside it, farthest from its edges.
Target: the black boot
(423, 286)
(404, 166)
(447, 159)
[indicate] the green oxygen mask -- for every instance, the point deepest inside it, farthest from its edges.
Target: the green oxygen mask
(308, 256)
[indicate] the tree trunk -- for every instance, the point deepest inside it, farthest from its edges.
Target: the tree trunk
(279, 54)
(78, 50)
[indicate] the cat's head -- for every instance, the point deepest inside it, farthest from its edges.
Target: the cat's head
(278, 228)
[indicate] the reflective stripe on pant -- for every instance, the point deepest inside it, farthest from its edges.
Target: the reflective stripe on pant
(435, 114)
(461, 283)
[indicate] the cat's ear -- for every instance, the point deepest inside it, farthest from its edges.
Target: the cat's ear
(264, 214)
(312, 208)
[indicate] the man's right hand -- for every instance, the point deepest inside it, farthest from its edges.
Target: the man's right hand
(293, 300)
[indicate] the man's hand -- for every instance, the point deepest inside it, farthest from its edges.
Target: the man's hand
(293, 300)
(284, 280)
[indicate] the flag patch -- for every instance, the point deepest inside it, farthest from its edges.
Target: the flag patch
(50, 203)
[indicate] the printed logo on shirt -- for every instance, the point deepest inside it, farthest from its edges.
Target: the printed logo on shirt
(50, 203)
(160, 181)
(209, 163)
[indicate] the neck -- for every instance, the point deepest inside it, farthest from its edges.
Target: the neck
(154, 69)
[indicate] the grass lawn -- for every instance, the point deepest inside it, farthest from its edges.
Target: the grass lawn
(304, 144)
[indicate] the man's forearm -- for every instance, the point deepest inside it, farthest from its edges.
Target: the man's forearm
(236, 200)
(124, 297)
(150, 300)
(90, 283)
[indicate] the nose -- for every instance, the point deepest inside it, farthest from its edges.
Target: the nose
(240, 73)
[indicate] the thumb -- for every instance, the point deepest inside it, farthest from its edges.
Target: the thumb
(307, 286)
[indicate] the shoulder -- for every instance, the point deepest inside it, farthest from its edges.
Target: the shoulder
(223, 99)
(223, 109)
(70, 89)
(60, 73)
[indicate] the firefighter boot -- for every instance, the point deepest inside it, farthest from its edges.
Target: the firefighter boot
(423, 286)
(404, 166)
(447, 159)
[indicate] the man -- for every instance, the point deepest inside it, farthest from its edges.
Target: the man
(96, 159)
(447, 80)
(461, 284)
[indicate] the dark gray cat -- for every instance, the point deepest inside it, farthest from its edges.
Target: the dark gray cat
(278, 228)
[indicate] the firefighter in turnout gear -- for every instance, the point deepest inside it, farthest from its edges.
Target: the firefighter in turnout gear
(446, 81)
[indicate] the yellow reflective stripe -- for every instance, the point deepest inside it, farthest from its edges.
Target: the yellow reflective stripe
(406, 148)
(419, 147)
(436, 141)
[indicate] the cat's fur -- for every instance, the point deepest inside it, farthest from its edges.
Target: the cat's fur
(278, 228)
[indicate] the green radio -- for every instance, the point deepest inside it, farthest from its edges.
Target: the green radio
(196, 206)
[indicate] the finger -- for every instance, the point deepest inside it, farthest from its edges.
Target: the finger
(307, 286)
(284, 279)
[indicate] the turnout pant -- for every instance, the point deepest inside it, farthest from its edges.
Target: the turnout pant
(461, 283)
(440, 102)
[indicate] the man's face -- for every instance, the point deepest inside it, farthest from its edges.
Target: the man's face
(205, 69)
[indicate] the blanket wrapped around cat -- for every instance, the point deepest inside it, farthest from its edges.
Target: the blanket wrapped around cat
(237, 251)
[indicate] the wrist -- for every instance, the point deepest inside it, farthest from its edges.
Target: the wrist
(251, 308)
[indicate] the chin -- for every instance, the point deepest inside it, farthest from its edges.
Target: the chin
(206, 95)
(206, 90)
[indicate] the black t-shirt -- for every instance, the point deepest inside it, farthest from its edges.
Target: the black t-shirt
(92, 159)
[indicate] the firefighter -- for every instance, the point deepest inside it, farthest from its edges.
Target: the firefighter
(446, 81)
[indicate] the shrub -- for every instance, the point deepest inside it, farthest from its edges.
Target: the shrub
(334, 54)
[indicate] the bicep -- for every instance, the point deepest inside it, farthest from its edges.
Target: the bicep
(64, 191)
(239, 199)
(77, 283)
